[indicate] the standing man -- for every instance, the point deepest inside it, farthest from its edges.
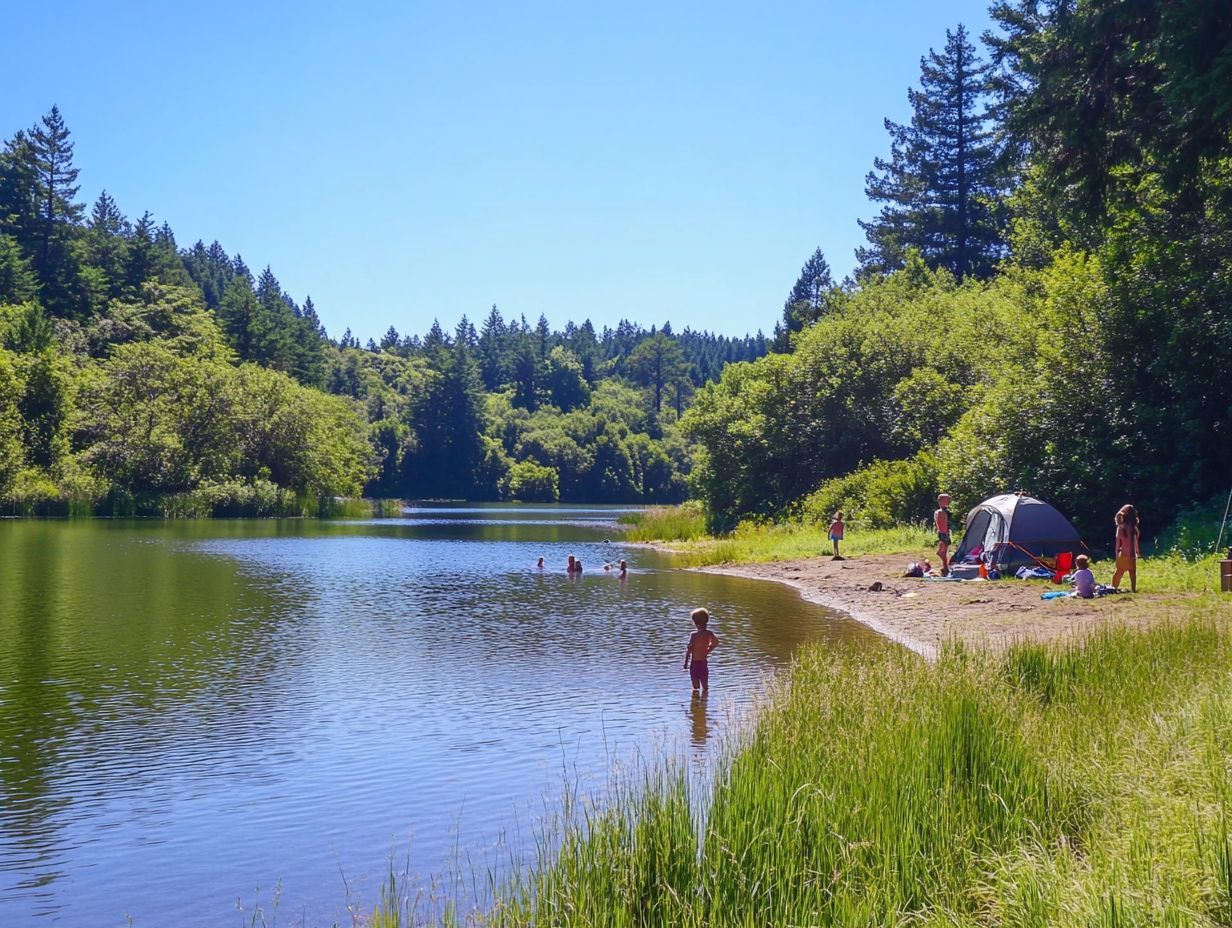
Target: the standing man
(941, 521)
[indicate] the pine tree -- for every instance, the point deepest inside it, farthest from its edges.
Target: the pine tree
(57, 188)
(493, 361)
(543, 336)
(807, 301)
(19, 201)
(657, 362)
(942, 183)
(17, 280)
(108, 245)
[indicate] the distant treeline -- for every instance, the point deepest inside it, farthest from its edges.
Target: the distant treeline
(136, 376)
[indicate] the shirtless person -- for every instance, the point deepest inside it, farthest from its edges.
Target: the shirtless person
(941, 521)
(701, 643)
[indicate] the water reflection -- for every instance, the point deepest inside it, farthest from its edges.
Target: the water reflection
(699, 731)
(190, 709)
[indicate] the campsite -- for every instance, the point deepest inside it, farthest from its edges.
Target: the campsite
(335, 339)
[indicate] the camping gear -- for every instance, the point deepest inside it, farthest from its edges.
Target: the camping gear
(1013, 530)
(964, 571)
(1065, 560)
(1033, 573)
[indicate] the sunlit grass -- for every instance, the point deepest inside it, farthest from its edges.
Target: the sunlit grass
(1068, 785)
(683, 530)
(665, 523)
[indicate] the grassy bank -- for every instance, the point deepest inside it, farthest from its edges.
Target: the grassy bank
(682, 529)
(1050, 786)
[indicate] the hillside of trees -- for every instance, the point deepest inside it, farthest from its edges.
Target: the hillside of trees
(1044, 303)
(139, 376)
(1045, 300)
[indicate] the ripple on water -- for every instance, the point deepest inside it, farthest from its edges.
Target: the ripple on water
(191, 710)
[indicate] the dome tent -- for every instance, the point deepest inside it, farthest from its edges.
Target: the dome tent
(1013, 530)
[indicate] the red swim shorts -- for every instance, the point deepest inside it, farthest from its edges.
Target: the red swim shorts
(699, 674)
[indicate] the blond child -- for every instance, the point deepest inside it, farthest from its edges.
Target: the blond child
(941, 522)
(1084, 580)
(701, 643)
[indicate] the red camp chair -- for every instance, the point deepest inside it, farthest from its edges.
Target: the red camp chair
(1065, 560)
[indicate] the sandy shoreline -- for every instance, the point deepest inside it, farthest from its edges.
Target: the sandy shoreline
(923, 614)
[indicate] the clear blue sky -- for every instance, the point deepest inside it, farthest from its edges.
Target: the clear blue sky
(401, 161)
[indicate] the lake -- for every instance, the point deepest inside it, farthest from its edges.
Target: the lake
(203, 719)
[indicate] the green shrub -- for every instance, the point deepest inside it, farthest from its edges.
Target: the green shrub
(1193, 533)
(531, 483)
(881, 495)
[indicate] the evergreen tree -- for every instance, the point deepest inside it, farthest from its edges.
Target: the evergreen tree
(526, 374)
(108, 246)
(807, 301)
(493, 360)
(942, 182)
(18, 282)
(543, 336)
(56, 178)
(447, 420)
(19, 201)
(657, 362)
(312, 322)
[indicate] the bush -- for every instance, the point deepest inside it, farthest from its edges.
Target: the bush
(531, 483)
(880, 495)
(1194, 532)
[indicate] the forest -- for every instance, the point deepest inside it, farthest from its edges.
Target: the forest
(139, 377)
(1044, 303)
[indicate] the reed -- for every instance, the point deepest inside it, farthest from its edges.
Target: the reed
(666, 523)
(1072, 785)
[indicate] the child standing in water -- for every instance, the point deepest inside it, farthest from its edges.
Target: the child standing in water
(701, 643)
(836, 535)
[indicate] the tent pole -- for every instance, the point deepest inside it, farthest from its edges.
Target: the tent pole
(1224, 522)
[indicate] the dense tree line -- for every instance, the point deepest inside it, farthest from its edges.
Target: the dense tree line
(136, 375)
(1074, 341)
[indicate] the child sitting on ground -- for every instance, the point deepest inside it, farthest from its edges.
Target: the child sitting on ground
(1084, 580)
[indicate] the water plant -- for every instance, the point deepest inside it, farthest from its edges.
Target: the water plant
(1062, 784)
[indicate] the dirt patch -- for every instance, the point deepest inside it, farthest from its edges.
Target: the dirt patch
(922, 613)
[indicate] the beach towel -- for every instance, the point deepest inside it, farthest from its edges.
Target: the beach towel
(1033, 573)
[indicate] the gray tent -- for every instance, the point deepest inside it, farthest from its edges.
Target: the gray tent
(1011, 530)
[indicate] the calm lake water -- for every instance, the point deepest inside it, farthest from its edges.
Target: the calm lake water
(198, 717)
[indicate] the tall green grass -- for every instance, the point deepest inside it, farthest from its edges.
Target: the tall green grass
(683, 528)
(666, 523)
(1054, 785)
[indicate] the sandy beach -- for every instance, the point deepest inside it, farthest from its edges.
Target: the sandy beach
(922, 614)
